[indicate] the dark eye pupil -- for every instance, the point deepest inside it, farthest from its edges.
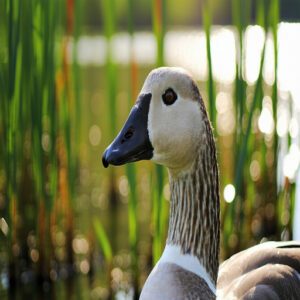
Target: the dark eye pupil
(169, 97)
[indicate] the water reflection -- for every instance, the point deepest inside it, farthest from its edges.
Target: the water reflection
(187, 49)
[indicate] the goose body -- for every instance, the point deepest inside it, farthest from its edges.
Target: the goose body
(182, 274)
(267, 271)
(169, 125)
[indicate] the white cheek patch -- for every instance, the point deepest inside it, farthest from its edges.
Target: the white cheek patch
(174, 130)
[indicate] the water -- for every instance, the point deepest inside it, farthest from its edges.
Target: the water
(186, 48)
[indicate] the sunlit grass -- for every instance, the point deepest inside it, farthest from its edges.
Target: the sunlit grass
(42, 131)
(206, 16)
(36, 120)
(158, 203)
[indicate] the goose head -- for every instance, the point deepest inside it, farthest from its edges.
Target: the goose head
(165, 125)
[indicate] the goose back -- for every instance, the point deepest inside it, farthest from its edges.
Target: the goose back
(267, 271)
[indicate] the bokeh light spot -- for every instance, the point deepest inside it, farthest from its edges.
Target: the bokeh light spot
(95, 135)
(229, 193)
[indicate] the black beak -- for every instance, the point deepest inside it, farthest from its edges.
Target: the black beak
(132, 143)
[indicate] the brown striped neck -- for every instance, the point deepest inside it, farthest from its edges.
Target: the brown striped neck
(194, 223)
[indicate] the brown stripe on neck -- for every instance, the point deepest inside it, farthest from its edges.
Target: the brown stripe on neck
(194, 222)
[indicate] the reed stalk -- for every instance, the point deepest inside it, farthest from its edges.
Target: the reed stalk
(159, 211)
(29, 115)
(274, 21)
(241, 210)
(131, 168)
(105, 245)
(207, 16)
(11, 117)
(109, 24)
(109, 19)
(43, 112)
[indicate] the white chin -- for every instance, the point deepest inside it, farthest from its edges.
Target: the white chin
(175, 167)
(159, 159)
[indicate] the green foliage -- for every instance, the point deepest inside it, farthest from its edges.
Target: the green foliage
(206, 16)
(131, 168)
(35, 113)
(238, 215)
(103, 239)
(41, 128)
(108, 9)
(159, 205)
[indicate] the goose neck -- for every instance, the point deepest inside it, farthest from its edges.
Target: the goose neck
(194, 223)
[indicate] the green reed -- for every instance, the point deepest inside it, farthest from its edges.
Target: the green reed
(109, 25)
(131, 168)
(207, 16)
(274, 21)
(40, 126)
(159, 209)
(35, 114)
(239, 213)
(241, 18)
(234, 217)
(108, 8)
(103, 240)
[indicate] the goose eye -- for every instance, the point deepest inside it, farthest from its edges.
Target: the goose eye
(169, 97)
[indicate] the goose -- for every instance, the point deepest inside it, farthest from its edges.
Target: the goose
(169, 125)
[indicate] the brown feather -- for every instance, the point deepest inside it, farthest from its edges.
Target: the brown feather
(266, 271)
(170, 281)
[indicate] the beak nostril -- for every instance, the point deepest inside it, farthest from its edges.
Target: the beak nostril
(129, 133)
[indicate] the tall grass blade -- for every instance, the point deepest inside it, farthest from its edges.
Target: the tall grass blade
(247, 143)
(240, 20)
(109, 19)
(108, 8)
(254, 103)
(206, 16)
(130, 168)
(159, 27)
(103, 240)
(274, 21)
(244, 146)
(158, 214)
